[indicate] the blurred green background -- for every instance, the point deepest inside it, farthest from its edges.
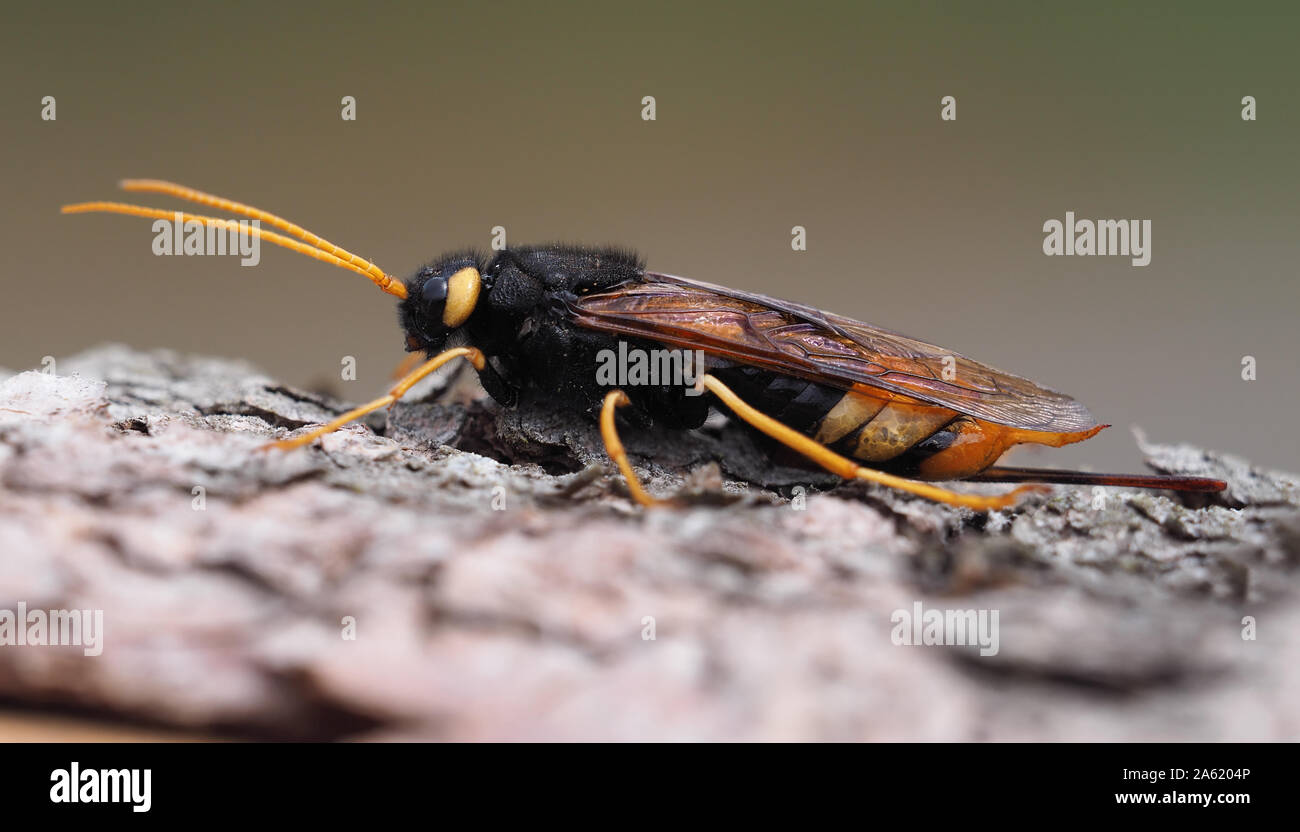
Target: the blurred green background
(528, 116)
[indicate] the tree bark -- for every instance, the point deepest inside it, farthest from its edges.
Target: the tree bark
(450, 570)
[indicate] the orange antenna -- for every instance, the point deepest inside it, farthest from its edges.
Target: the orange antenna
(317, 246)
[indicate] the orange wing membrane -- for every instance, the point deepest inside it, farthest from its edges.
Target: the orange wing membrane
(791, 338)
(905, 404)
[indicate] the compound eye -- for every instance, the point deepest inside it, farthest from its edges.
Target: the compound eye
(434, 292)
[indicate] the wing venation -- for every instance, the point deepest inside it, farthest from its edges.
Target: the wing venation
(792, 338)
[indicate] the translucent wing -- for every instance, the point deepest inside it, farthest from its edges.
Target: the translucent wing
(798, 340)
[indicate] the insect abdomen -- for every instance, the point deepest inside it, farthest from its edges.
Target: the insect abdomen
(859, 425)
(886, 431)
(880, 429)
(922, 441)
(793, 401)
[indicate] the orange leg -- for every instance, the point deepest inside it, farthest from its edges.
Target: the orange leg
(407, 364)
(614, 447)
(844, 467)
(472, 355)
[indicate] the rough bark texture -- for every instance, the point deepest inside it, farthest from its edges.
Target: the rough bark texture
(1120, 612)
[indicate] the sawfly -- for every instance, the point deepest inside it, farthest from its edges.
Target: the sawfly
(863, 402)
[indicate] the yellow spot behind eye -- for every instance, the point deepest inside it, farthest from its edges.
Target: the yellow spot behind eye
(462, 296)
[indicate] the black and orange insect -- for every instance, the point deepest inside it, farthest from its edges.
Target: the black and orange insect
(860, 401)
